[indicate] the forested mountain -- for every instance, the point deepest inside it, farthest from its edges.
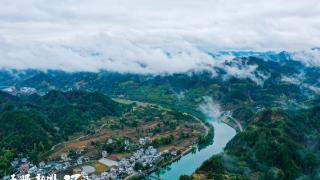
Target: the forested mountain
(274, 98)
(32, 124)
(277, 144)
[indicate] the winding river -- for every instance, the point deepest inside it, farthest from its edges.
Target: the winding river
(190, 162)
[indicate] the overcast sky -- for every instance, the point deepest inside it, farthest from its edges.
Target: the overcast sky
(145, 35)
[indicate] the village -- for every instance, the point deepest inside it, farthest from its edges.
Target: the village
(138, 142)
(143, 158)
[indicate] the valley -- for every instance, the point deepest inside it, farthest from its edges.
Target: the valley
(159, 90)
(142, 127)
(266, 108)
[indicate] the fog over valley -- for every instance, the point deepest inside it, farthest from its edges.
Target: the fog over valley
(152, 37)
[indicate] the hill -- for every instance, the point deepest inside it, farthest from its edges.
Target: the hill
(278, 144)
(31, 125)
(273, 96)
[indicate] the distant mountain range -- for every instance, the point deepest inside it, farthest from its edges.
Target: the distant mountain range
(274, 96)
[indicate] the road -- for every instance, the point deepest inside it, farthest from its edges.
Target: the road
(163, 108)
(77, 139)
(228, 115)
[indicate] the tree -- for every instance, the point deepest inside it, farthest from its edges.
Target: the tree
(185, 177)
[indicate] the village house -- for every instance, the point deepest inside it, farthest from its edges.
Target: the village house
(64, 157)
(109, 141)
(127, 142)
(104, 154)
(143, 141)
(80, 160)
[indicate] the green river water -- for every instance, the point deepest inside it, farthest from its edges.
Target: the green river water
(190, 162)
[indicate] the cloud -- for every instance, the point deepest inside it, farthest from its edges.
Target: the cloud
(210, 108)
(315, 89)
(291, 80)
(105, 52)
(218, 24)
(308, 57)
(122, 55)
(298, 80)
(143, 36)
(235, 68)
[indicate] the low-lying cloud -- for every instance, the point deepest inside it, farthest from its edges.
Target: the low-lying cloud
(210, 108)
(105, 52)
(308, 57)
(142, 36)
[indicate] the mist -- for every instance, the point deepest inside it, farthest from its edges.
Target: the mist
(145, 37)
(210, 108)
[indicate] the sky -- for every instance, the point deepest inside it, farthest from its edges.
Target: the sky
(148, 36)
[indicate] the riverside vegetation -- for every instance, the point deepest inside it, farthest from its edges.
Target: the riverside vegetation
(278, 108)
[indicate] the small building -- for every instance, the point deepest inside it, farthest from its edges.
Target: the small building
(32, 170)
(104, 154)
(173, 153)
(108, 162)
(86, 159)
(76, 171)
(79, 151)
(127, 142)
(86, 170)
(24, 168)
(14, 163)
(66, 165)
(142, 141)
(42, 164)
(64, 157)
(24, 160)
(58, 166)
(79, 160)
(109, 141)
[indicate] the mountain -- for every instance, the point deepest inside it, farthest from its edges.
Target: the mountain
(31, 125)
(273, 96)
(277, 144)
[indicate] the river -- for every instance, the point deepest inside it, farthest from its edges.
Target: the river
(190, 162)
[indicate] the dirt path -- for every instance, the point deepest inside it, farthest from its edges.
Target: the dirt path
(53, 148)
(163, 108)
(202, 123)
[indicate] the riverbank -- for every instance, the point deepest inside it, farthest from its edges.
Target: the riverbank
(232, 123)
(185, 152)
(189, 162)
(186, 163)
(143, 174)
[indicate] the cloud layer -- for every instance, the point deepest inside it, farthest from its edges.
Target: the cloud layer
(210, 108)
(149, 36)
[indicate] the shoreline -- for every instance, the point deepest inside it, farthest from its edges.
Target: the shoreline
(150, 171)
(185, 152)
(232, 124)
